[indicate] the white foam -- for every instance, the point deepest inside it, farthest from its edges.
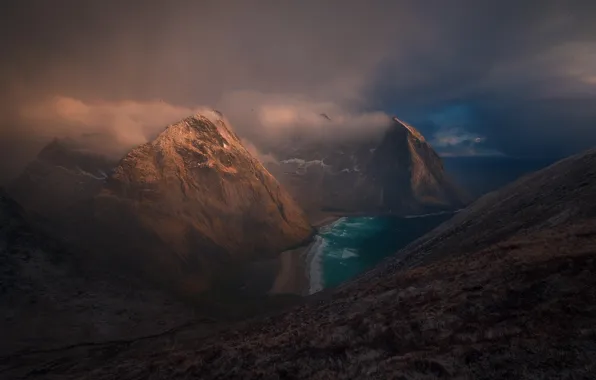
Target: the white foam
(328, 227)
(315, 265)
(348, 253)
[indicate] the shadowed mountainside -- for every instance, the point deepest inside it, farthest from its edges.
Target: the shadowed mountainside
(506, 289)
(51, 297)
(62, 174)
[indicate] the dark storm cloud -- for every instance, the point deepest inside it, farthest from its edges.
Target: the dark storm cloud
(526, 72)
(126, 67)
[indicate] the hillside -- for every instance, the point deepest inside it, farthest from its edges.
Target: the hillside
(507, 289)
(51, 298)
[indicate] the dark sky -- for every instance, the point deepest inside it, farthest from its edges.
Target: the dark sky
(475, 76)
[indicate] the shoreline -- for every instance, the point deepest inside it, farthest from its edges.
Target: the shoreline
(292, 276)
(293, 270)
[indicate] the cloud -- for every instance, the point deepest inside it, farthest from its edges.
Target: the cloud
(526, 70)
(264, 118)
(109, 128)
(458, 142)
(265, 158)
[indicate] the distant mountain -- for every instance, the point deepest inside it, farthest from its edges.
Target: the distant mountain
(61, 175)
(189, 208)
(51, 297)
(399, 173)
(504, 290)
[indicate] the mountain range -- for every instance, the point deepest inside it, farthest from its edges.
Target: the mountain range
(505, 289)
(398, 173)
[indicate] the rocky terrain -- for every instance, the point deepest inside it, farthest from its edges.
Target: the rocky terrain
(189, 209)
(50, 297)
(398, 173)
(506, 289)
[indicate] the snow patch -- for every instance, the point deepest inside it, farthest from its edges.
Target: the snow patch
(101, 177)
(302, 164)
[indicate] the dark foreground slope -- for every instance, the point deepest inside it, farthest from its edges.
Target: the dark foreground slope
(51, 298)
(506, 290)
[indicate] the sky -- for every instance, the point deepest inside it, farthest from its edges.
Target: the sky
(476, 77)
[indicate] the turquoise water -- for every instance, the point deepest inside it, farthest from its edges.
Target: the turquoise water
(352, 245)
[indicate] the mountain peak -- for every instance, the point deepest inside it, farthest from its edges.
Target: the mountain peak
(180, 208)
(204, 199)
(205, 126)
(401, 173)
(413, 131)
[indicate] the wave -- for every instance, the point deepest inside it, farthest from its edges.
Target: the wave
(348, 253)
(331, 226)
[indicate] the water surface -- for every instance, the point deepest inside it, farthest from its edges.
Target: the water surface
(352, 245)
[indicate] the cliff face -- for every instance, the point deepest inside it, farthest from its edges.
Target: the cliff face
(401, 173)
(189, 208)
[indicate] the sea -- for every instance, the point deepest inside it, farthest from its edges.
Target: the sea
(352, 245)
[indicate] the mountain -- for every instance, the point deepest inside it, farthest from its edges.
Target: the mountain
(505, 289)
(189, 208)
(398, 173)
(63, 174)
(51, 297)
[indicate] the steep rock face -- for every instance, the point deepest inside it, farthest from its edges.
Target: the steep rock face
(401, 173)
(189, 208)
(409, 172)
(50, 297)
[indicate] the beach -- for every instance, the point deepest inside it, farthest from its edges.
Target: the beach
(292, 273)
(291, 276)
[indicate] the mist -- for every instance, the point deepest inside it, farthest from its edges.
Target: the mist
(124, 70)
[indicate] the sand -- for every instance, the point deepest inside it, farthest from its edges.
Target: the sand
(292, 277)
(292, 273)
